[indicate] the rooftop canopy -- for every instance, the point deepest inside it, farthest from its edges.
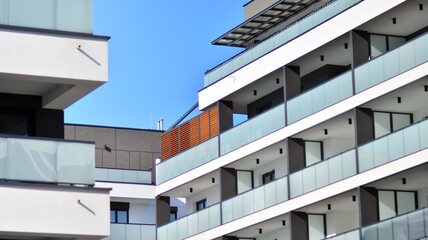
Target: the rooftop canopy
(261, 22)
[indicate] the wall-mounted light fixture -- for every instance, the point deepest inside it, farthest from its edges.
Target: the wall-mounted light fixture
(322, 58)
(399, 100)
(394, 20)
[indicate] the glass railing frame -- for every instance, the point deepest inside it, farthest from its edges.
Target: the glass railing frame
(194, 147)
(194, 213)
(254, 189)
(385, 136)
(132, 224)
(410, 41)
(274, 35)
(283, 104)
(124, 169)
(56, 140)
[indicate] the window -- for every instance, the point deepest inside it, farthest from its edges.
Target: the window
(268, 177)
(380, 44)
(201, 204)
(173, 214)
(385, 122)
(316, 226)
(119, 212)
(392, 203)
(313, 152)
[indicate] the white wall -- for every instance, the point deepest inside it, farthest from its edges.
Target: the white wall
(281, 234)
(51, 211)
(279, 165)
(341, 221)
(142, 213)
(180, 203)
(336, 145)
(211, 194)
(423, 197)
(51, 58)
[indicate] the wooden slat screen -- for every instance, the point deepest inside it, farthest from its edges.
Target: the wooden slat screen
(184, 136)
(194, 131)
(174, 143)
(190, 133)
(214, 122)
(204, 126)
(165, 153)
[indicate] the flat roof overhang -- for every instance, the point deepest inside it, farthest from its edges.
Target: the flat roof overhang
(262, 22)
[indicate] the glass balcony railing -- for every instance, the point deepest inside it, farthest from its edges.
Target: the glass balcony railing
(352, 235)
(323, 173)
(188, 160)
(42, 160)
(255, 200)
(131, 232)
(252, 129)
(413, 225)
(318, 98)
(292, 31)
(393, 146)
(192, 224)
(392, 63)
(123, 175)
(62, 15)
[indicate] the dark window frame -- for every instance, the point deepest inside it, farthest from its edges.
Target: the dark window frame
(268, 177)
(117, 207)
(201, 205)
(173, 211)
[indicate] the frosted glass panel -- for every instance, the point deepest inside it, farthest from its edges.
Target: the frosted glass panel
(32, 159)
(63, 15)
(252, 129)
(188, 160)
(30, 13)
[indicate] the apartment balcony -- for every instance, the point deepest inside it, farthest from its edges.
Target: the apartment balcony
(300, 109)
(413, 225)
(192, 224)
(47, 161)
(123, 176)
(48, 50)
(131, 232)
(317, 177)
(242, 134)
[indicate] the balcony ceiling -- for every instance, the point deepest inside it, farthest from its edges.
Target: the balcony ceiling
(409, 19)
(262, 22)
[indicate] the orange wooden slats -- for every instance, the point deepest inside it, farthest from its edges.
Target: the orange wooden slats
(184, 136)
(213, 121)
(165, 147)
(204, 124)
(174, 141)
(194, 131)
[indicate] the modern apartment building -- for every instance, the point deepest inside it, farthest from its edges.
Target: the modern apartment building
(124, 160)
(49, 59)
(335, 93)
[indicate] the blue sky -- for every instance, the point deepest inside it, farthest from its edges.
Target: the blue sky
(158, 53)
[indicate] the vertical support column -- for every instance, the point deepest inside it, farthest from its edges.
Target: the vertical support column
(360, 47)
(292, 81)
(228, 183)
(225, 115)
(162, 210)
(364, 125)
(299, 225)
(368, 205)
(296, 154)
